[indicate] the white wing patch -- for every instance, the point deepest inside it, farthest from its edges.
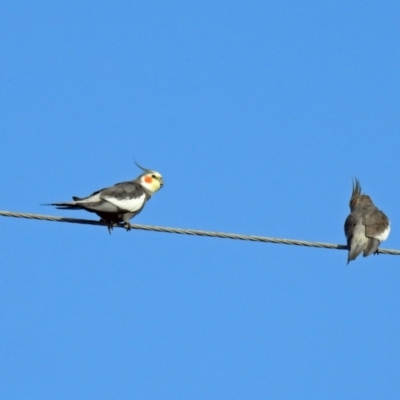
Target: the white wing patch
(127, 204)
(384, 235)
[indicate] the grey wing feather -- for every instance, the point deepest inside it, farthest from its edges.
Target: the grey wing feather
(375, 222)
(124, 190)
(355, 234)
(349, 225)
(97, 201)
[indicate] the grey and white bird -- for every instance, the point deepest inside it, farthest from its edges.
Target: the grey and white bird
(366, 227)
(118, 203)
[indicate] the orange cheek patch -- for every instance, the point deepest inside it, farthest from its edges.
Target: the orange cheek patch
(148, 179)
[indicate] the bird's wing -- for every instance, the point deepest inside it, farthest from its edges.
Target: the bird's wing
(349, 225)
(376, 224)
(126, 196)
(355, 234)
(95, 203)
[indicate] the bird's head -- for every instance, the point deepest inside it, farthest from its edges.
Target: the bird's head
(150, 180)
(357, 198)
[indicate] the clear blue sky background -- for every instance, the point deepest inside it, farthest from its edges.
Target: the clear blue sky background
(258, 114)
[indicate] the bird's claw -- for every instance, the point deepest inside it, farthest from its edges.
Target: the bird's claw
(110, 225)
(127, 226)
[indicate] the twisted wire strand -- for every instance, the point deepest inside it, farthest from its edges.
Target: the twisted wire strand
(195, 232)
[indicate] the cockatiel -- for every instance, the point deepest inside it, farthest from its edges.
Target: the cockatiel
(366, 226)
(118, 203)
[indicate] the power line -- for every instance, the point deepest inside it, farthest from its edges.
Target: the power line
(195, 232)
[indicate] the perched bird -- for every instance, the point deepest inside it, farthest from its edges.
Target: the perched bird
(118, 203)
(366, 226)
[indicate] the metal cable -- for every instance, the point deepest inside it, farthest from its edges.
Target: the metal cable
(195, 232)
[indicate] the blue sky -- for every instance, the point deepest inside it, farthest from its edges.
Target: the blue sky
(258, 114)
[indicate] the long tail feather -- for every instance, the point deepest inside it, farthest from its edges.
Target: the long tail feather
(64, 206)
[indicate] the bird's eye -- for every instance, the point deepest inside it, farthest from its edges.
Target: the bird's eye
(154, 176)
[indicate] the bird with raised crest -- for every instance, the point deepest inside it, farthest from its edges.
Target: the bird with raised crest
(366, 227)
(118, 203)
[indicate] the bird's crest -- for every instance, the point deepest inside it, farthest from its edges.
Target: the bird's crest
(355, 194)
(357, 197)
(143, 169)
(356, 188)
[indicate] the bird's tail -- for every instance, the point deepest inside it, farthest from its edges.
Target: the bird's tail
(65, 206)
(354, 251)
(356, 245)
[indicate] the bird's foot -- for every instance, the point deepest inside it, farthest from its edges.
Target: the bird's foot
(110, 225)
(127, 226)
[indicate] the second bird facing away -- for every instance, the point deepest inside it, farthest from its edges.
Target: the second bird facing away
(118, 203)
(366, 226)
